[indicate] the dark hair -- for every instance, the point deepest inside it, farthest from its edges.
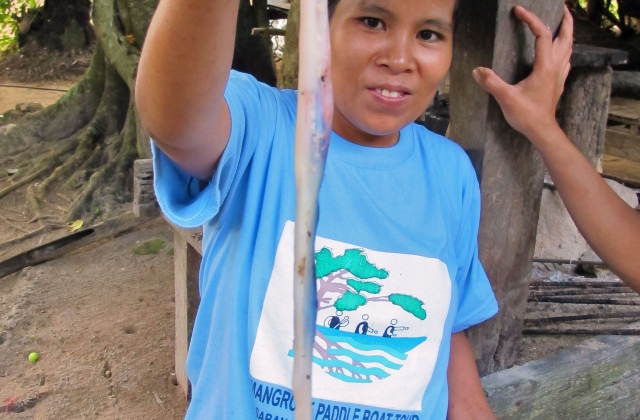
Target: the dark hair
(334, 3)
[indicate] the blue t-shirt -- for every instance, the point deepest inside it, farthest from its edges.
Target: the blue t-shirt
(397, 267)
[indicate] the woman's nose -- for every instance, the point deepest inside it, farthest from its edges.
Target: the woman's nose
(398, 54)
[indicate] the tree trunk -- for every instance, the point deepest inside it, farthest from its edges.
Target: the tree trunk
(253, 52)
(60, 25)
(288, 78)
(84, 146)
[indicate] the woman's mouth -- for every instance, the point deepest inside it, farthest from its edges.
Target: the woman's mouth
(390, 94)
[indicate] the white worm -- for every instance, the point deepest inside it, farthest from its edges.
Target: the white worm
(313, 126)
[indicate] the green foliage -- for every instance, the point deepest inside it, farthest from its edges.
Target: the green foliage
(613, 6)
(410, 304)
(353, 260)
(11, 13)
(364, 286)
(350, 302)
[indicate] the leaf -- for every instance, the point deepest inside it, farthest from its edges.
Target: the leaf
(364, 286)
(350, 302)
(410, 304)
(77, 225)
(353, 260)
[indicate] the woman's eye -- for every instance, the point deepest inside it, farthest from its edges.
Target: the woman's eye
(373, 23)
(428, 36)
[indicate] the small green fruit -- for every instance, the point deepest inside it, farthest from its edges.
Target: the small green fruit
(33, 357)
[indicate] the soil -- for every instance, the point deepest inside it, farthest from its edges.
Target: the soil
(42, 65)
(100, 318)
(102, 322)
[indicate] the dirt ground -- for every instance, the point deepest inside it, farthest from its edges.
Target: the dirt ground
(101, 318)
(11, 96)
(102, 322)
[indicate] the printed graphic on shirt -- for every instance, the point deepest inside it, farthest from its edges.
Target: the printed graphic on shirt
(379, 326)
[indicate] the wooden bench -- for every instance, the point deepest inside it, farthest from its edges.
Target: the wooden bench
(622, 145)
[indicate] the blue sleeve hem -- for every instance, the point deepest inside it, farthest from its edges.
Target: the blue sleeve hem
(179, 194)
(483, 313)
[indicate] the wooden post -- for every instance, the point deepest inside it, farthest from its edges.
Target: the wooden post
(144, 197)
(585, 123)
(510, 171)
(585, 105)
(187, 258)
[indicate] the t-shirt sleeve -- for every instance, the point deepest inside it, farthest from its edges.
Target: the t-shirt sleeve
(476, 301)
(189, 202)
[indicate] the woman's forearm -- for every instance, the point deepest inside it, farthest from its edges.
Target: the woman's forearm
(466, 397)
(609, 225)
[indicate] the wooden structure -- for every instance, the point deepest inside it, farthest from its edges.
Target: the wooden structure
(585, 105)
(625, 111)
(144, 198)
(187, 257)
(510, 172)
(598, 379)
(622, 144)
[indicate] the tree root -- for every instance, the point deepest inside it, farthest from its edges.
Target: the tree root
(48, 164)
(97, 180)
(12, 223)
(72, 112)
(41, 230)
(43, 217)
(25, 181)
(107, 122)
(91, 136)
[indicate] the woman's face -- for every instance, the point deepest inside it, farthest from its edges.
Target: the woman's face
(388, 59)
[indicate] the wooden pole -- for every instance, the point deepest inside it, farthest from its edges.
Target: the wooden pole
(585, 108)
(187, 258)
(510, 171)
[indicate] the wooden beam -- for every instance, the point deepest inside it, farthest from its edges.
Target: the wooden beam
(510, 172)
(110, 228)
(597, 379)
(187, 261)
(622, 145)
(585, 108)
(144, 196)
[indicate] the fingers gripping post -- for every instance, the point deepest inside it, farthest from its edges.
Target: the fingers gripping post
(313, 126)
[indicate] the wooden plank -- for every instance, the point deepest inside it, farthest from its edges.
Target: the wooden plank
(592, 56)
(187, 298)
(510, 172)
(108, 229)
(622, 145)
(621, 170)
(597, 379)
(624, 111)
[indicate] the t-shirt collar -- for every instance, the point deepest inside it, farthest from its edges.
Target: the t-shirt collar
(373, 157)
